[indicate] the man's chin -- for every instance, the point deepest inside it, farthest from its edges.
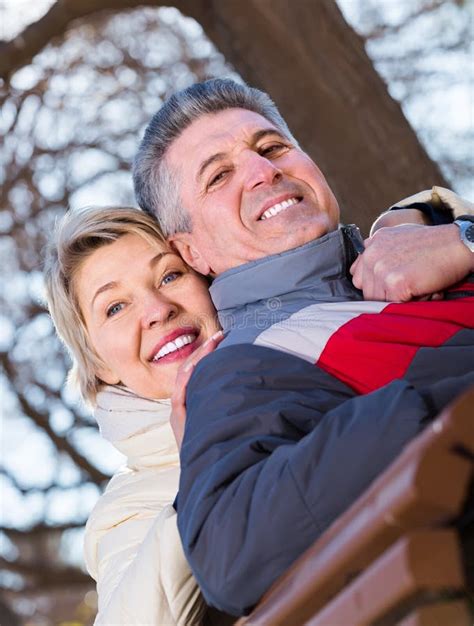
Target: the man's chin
(295, 236)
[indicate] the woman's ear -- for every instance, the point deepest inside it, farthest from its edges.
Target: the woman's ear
(107, 376)
(190, 255)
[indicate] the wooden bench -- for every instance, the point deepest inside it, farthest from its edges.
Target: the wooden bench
(394, 557)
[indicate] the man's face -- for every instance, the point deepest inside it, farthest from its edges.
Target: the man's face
(249, 190)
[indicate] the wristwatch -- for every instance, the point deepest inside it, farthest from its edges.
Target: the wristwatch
(466, 230)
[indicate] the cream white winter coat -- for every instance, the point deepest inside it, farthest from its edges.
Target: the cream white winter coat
(132, 545)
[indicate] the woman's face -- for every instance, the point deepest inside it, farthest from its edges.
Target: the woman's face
(145, 312)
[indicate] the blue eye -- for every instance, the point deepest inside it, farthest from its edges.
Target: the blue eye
(114, 309)
(169, 278)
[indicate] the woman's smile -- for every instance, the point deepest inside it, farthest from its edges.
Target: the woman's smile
(178, 345)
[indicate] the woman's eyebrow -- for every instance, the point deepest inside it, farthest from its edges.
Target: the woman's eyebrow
(157, 258)
(113, 283)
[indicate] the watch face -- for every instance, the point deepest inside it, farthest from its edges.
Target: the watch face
(469, 233)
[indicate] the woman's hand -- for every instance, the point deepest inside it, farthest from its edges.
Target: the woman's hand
(178, 399)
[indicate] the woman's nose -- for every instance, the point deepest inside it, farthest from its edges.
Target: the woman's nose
(157, 310)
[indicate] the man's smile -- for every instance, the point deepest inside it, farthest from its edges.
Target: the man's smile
(279, 207)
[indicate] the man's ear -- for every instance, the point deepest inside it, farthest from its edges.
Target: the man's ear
(189, 253)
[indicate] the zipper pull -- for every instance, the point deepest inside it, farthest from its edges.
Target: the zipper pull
(353, 233)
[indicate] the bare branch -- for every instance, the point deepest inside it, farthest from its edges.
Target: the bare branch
(382, 30)
(41, 419)
(49, 576)
(28, 489)
(21, 50)
(41, 529)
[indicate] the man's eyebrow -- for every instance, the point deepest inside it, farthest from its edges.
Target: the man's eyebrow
(259, 134)
(113, 283)
(267, 132)
(209, 161)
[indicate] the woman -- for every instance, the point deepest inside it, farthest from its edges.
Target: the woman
(130, 313)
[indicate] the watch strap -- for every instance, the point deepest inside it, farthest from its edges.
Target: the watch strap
(465, 218)
(466, 230)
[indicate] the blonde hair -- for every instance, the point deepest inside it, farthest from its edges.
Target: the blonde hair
(77, 235)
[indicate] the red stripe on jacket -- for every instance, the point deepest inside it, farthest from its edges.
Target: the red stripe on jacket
(371, 350)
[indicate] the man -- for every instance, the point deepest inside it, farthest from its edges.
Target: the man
(275, 447)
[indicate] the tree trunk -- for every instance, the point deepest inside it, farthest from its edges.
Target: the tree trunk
(312, 63)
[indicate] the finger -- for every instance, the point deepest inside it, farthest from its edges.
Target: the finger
(179, 394)
(377, 286)
(364, 279)
(215, 339)
(378, 291)
(371, 280)
(207, 347)
(185, 371)
(368, 288)
(178, 421)
(357, 271)
(430, 297)
(354, 266)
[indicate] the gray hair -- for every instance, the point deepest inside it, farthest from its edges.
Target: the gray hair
(77, 235)
(156, 186)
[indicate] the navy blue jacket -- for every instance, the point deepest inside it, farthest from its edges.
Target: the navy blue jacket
(312, 394)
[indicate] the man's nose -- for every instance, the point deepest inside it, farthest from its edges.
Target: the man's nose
(260, 171)
(157, 309)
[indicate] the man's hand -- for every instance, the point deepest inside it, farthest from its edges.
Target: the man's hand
(409, 261)
(178, 399)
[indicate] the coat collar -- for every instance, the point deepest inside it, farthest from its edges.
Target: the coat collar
(137, 427)
(315, 265)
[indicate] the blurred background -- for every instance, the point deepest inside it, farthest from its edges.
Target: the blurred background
(75, 96)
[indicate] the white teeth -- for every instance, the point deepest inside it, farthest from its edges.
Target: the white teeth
(278, 208)
(172, 346)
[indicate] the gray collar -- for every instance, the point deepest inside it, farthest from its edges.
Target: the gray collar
(312, 266)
